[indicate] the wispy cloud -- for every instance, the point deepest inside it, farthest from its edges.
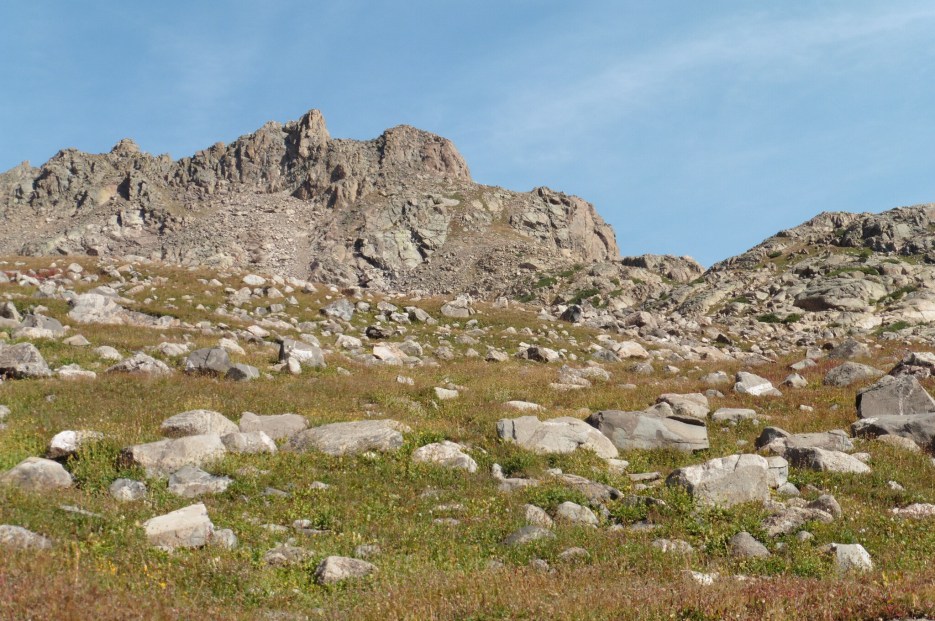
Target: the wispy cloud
(761, 42)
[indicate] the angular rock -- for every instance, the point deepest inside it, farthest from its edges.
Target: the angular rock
(67, 443)
(536, 516)
(744, 545)
(350, 438)
(210, 361)
(165, 456)
(894, 396)
(191, 482)
(850, 373)
(754, 385)
(188, 527)
(527, 534)
(241, 372)
(447, 454)
(140, 364)
(920, 428)
(822, 460)
(276, 426)
(557, 435)
(307, 354)
(785, 520)
(644, 430)
(249, 442)
(197, 422)
(339, 309)
(726, 481)
(127, 490)
(848, 350)
(19, 538)
(36, 474)
(22, 361)
(692, 405)
(851, 557)
(733, 415)
(574, 513)
(336, 569)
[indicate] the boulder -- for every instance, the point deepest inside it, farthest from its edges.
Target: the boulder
(336, 569)
(772, 441)
(241, 372)
(307, 354)
(557, 435)
(851, 558)
(350, 438)
(67, 443)
(754, 385)
(191, 482)
(250, 442)
(821, 460)
(339, 309)
(733, 415)
(19, 538)
(210, 361)
(894, 396)
(188, 527)
(850, 373)
(276, 426)
(528, 534)
(744, 545)
(647, 430)
(849, 349)
(36, 474)
(726, 481)
(573, 513)
(447, 454)
(197, 422)
(691, 406)
(22, 361)
(920, 428)
(786, 520)
(127, 490)
(165, 456)
(840, 294)
(140, 364)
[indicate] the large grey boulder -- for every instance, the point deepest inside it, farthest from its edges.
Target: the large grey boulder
(307, 354)
(165, 456)
(726, 481)
(556, 435)
(821, 460)
(573, 513)
(744, 545)
(851, 558)
(336, 569)
(849, 349)
(36, 474)
(141, 364)
(210, 361)
(197, 422)
(527, 534)
(350, 438)
(850, 373)
(920, 428)
(894, 396)
(22, 361)
(188, 527)
(191, 482)
(276, 426)
(649, 430)
(19, 538)
(754, 385)
(241, 372)
(105, 309)
(44, 324)
(447, 454)
(784, 520)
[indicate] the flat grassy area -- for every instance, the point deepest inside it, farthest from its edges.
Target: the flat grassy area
(102, 568)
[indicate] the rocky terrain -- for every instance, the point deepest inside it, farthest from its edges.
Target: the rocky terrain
(196, 443)
(398, 213)
(297, 377)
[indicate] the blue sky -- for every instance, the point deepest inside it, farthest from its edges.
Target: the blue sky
(695, 128)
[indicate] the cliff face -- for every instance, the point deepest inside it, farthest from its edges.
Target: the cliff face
(397, 212)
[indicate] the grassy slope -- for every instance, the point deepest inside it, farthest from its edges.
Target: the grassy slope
(102, 567)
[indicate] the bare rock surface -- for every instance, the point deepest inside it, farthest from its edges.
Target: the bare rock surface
(350, 438)
(557, 435)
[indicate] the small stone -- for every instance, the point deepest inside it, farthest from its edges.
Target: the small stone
(127, 490)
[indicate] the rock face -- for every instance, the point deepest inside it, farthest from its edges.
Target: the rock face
(649, 430)
(557, 435)
(920, 428)
(726, 481)
(350, 438)
(398, 211)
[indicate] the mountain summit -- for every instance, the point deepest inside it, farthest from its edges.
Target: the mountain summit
(399, 212)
